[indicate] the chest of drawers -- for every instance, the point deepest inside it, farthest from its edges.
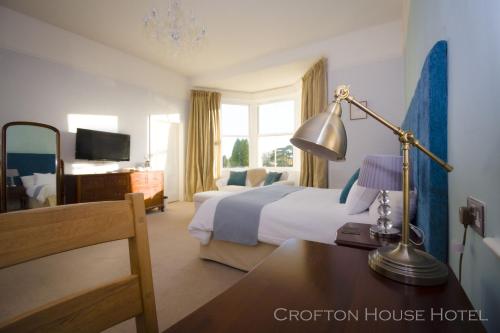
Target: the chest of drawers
(114, 186)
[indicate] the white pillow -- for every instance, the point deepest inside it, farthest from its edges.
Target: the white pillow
(359, 198)
(28, 181)
(45, 179)
(396, 203)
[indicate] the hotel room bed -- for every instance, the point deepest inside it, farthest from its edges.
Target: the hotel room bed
(41, 193)
(41, 196)
(311, 214)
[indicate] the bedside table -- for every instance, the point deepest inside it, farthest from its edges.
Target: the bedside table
(358, 235)
(16, 197)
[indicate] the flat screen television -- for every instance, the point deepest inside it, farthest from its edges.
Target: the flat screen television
(101, 146)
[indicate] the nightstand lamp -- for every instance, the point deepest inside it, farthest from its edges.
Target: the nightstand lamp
(324, 135)
(11, 173)
(384, 173)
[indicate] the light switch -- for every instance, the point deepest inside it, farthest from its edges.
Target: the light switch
(477, 207)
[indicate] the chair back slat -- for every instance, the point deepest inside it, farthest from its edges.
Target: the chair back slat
(140, 264)
(37, 233)
(90, 311)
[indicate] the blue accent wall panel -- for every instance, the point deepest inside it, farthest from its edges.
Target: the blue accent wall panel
(27, 164)
(427, 118)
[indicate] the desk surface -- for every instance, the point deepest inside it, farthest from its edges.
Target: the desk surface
(302, 279)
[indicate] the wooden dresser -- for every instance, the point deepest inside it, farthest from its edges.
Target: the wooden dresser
(114, 186)
(151, 184)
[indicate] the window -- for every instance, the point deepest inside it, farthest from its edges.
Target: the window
(235, 135)
(276, 127)
(258, 135)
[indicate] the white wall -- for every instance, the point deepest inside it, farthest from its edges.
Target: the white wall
(27, 35)
(364, 46)
(381, 85)
(371, 62)
(472, 29)
(48, 73)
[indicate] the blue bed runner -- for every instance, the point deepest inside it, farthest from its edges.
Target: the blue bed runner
(237, 217)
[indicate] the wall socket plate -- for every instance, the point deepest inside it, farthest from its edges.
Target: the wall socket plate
(478, 208)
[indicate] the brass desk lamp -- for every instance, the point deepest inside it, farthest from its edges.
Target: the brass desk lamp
(324, 135)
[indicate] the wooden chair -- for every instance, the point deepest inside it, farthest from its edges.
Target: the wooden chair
(37, 233)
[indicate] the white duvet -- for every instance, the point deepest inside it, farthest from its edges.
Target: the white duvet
(311, 214)
(43, 193)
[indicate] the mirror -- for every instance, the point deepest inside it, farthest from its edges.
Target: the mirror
(31, 166)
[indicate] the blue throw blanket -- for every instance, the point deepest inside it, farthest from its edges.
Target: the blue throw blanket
(237, 217)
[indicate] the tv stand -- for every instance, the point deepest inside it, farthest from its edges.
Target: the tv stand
(114, 186)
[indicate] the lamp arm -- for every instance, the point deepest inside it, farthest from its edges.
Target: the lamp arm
(403, 135)
(398, 131)
(436, 159)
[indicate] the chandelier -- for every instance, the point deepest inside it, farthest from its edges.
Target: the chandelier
(174, 27)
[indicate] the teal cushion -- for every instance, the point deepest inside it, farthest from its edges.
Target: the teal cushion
(237, 178)
(272, 177)
(347, 187)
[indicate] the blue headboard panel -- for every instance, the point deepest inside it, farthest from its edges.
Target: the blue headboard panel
(27, 164)
(427, 117)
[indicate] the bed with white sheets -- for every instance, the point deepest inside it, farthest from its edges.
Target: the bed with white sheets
(42, 196)
(311, 213)
(41, 189)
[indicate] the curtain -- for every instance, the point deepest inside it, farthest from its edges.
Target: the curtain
(203, 148)
(313, 170)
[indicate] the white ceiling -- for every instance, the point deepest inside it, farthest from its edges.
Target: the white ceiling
(237, 31)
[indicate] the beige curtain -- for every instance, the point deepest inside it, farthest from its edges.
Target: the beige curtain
(203, 148)
(313, 170)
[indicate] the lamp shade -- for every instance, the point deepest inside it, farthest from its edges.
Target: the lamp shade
(323, 135)
(382, 172)
(12, 173)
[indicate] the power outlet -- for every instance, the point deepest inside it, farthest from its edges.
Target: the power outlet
(477, 208)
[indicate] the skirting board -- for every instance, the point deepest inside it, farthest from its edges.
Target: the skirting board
(494, 244)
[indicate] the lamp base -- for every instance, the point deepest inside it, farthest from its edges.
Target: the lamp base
(381, 232)
(405, 264)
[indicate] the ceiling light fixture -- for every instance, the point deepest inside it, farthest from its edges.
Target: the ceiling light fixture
(175, 27)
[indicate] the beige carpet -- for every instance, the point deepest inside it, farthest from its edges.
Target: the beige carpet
(182, 281)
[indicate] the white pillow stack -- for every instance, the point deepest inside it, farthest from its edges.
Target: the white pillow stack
(28, 181)
(396, 203)
(45, 179)
(360, 198)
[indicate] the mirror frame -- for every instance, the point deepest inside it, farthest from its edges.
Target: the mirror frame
(59, 162)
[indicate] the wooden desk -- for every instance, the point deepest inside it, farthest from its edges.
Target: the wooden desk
(303, 275)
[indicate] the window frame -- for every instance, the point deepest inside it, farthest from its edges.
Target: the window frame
(247, 136)
(295, 150)
(253, 100)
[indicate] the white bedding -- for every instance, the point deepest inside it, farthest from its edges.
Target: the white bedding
(311, 214)
(45, 192)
